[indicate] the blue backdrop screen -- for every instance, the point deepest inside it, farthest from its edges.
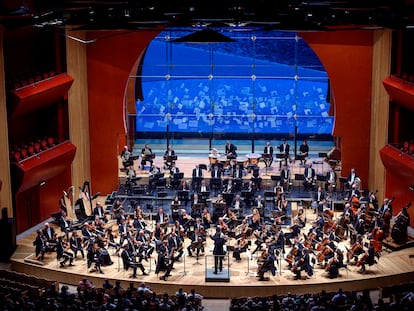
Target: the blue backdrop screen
(265, 85)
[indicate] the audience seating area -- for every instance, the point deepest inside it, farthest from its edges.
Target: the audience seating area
(406, 147)
(35, 146)
(29, 78)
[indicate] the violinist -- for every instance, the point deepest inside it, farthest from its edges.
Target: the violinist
(124, 230)
(240, 247)
(206, 218)
(222, 225)
(265, 263)
(261, 236)
(186, 220)
(254, 219)
(238, 205)
(229, 188)
(300, 218)
(175, 245)
(139, 224)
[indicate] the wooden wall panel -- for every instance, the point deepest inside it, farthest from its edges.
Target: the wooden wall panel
(5, 193)
(78, 107)
(381, 64)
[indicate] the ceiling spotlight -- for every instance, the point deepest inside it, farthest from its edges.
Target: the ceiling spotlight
(411, 188)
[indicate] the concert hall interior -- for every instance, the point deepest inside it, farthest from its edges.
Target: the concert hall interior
(270, 154)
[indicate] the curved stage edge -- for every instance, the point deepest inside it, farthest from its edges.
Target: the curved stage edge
(393, 268)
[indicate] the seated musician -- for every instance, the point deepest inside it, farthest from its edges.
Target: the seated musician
(196, 206)
(268, 150)
(281, 204)
(168, 154)
(129, 260)
(186, 220)
(303, 152)
(303, 264)
(330, 180)
(162, 219)
(126, 158)
(368, 258)
(230, 150)
(352, 178)
(203, 187)
(356, 250)
(284, 148)
(240, 247)
(266, 262)
(222, 225)
(65, 223)
(146, 154)
(229, 187)
(197, 243)
(154, 175)
(310, 177)
(206, 218)
(48, 232)
(145, 242)
(99, 211)
(176, 242)
(219, 206)
(124, 230)
(259, 204)
(197, 177)
(175, 208)
(63, 252)
(278, 189)
(174, 176)
(215, 180)
(238, 205)
(254, 219)
(40, 244)
(285, 178)
(261, 235)
(399, 232)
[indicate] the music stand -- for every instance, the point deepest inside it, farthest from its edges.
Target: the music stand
(204, 195)
(183, 195)
(220, 206)
(228, 197)
(267, 157)
(299, 177)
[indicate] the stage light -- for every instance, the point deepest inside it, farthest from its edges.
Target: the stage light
(42, 183)
(411, 188)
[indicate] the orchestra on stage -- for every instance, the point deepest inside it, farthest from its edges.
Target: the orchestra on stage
(249, 219)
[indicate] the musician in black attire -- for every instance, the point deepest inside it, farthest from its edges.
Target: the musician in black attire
(303, 152)
(197, 240)
(303, 264)
(94, 257)
(267, 264)
(126, 157)
(146, 153)
(132, 260)
(218, 250)
(40, 244)
(284, 149)
(268, 149)
(197, 177)
(62, 253)
(167, 157)
(230, 150)
(75, 243)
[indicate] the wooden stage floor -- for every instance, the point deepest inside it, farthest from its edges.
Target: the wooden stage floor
(393, 267)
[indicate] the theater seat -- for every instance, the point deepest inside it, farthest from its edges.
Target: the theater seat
(50, 142)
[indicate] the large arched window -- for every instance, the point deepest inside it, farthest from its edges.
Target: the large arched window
(264, 83)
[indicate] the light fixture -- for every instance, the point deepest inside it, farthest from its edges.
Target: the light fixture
(42, 183)
(206, 35)
(411, 188)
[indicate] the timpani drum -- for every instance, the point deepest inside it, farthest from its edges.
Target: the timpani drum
(223, 160)
(253, 158)
(242, 161)
(212, 158)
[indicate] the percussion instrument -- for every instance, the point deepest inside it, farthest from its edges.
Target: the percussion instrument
(242, 161)
(253, 158)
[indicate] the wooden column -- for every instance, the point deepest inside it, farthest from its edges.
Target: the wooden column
(381, 64)
(78, 107)
(5, 193)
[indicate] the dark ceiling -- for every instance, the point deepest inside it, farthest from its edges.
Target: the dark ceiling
(232, 14)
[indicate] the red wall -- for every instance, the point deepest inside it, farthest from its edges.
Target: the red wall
(347, 57)
(110, 61)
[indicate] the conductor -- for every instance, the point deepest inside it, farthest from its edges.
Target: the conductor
(218, 250)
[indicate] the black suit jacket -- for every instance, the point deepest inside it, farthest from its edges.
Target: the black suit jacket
(218, 244)
(270, 152)
(287, 148)
(200, 172)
